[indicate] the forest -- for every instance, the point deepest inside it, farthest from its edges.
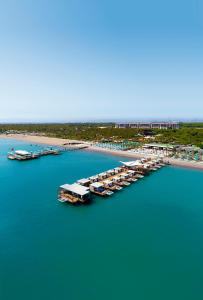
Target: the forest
(189, 133)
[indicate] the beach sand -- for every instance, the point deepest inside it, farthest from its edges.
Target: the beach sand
(51, 141)
(60, 143)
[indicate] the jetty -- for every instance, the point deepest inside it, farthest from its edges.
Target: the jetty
(23, 155)
(109, 182)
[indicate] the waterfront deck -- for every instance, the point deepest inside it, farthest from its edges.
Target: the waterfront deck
(22, 155)
(109, 182)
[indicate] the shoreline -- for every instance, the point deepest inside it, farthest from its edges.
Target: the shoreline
(43, 140)
(51, 141)
(172, 161)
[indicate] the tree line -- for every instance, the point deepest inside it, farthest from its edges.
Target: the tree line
(102, 131)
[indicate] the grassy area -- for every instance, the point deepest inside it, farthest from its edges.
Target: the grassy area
(189, 133)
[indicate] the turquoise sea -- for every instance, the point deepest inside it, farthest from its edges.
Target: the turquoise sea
(145, 242)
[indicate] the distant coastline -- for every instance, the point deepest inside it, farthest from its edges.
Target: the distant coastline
(59, 142)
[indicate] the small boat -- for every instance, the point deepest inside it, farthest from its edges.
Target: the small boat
(139, 176)
(109, 193)
(126, 183)
(134, 179)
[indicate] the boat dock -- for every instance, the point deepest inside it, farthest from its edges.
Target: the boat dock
(109, 182)
(23, 155)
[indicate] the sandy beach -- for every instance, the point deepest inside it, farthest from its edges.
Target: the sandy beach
(62, 143)
(172, 161)
(51, 141)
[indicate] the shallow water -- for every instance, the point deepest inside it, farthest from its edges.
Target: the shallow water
(145, 242)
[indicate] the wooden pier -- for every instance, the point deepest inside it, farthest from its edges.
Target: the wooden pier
(23, 155)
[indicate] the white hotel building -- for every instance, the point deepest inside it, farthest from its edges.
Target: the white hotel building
(149, 125)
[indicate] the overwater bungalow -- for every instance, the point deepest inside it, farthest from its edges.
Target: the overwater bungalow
(110, 172)
(84, 182)
(94, 179)
(108, 184)
(136, 166)
(102, 175)
(132, 175)
(149, 166)
(118, 181)
(125, 179)
(118, 170)
(99, 189)
(73, 193)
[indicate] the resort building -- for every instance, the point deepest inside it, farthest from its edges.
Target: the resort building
(156, 146)
(149, 125)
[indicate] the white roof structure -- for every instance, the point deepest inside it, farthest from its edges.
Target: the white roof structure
(22, 152)
(76, 189)
(131, 171)
(83, 181)
(96, 185)
(133, 163)
(93, 177)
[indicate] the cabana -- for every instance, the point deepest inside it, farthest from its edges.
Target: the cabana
(118, 170)
(109, 185)
(93, 178)
(110, 172)
(102, 175)
(136, 165)
(73, 193)
(84, 182)
(99, 189)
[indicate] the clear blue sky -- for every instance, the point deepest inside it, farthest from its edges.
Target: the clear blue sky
(100, 60)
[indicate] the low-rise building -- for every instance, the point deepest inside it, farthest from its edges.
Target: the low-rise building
(149, 125)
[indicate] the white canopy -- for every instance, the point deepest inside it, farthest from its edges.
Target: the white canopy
(83, 181)
(93, 177)
(22, 152)
(97, 185)
(133, 163)
(76, 189)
